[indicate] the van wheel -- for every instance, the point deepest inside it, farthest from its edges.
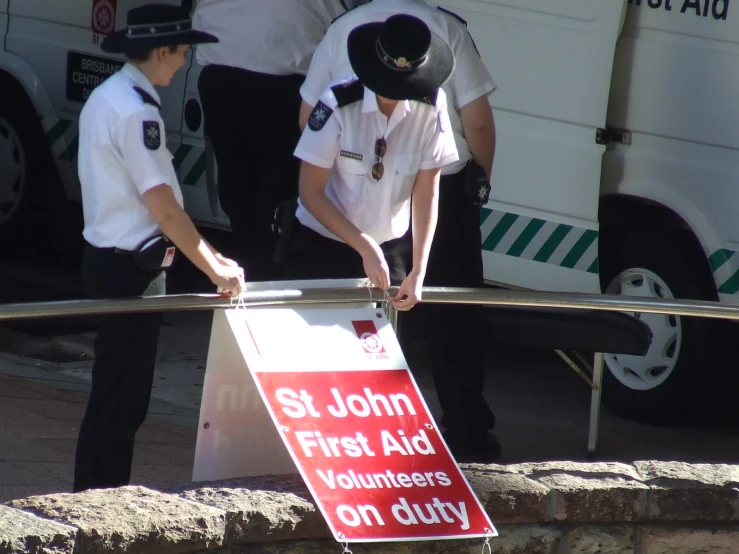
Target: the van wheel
(34, 211)
(14, 176)
(669, 385)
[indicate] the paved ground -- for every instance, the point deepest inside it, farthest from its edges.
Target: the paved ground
(542, 406)
(38, 432)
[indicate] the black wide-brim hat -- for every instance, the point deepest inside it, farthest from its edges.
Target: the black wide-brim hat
(154, 26)
(400, 58)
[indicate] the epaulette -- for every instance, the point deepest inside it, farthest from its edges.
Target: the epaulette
(347, 10)
(463, 22)
(454, 15)
(430, 99)
(146, 97)
(348, 93)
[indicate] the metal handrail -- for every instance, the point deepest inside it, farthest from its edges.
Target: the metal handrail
(340, 295)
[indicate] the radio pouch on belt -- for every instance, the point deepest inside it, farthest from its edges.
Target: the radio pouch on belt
(156, 253)
(477, 184)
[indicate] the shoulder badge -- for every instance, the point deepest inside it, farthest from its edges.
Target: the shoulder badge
(152, 135)
(319, 116)
(146, 97)
(348, 93)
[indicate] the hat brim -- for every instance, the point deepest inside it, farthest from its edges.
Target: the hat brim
(419, 84)
(119, 42)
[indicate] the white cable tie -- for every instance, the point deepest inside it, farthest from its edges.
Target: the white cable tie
(486, 548)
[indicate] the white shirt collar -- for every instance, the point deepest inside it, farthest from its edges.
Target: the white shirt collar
(135, 74)
(369, 105)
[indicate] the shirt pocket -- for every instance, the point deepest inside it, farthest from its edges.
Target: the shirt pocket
(406, 167)
(353, 166)
(408, 164)
(353, 173)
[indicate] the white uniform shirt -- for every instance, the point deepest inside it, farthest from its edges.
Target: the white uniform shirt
(276, 37)
(116, 167)
(469, 81)
(418, 136)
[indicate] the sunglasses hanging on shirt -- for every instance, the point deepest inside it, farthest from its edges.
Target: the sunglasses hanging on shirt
(378, 170)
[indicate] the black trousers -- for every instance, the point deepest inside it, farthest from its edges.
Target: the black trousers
(251, 120)
(122, 375)
(313, 256)
(455, 333)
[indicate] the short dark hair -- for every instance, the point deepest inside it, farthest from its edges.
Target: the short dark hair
(141, 55)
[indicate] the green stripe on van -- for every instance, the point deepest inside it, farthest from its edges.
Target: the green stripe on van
(594, 267)
(525, 238)
(719, 258)
(540, 241)
(731, 285)
(577, 251)
(180, 155)
(71, 152)
(196, 172)
(57, 131)
(552, 243)
(499, 231)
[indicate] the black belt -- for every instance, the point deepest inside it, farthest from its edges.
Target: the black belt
(112, 249)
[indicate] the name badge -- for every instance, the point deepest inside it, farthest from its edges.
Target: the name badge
(352, 155)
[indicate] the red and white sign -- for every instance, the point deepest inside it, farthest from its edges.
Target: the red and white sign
(340, 397)
(103, 16)
(372, 456)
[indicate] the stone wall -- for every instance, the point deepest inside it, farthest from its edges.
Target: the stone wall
(545, 508)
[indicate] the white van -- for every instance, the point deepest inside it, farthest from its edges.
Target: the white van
(617, 154)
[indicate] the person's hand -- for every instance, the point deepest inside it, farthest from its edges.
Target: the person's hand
(226, 261)
(408, 294)
(229, 279)
(375, 265)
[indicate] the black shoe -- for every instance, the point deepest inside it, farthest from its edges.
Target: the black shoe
(473, 447)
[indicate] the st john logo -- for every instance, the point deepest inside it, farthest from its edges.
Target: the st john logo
(368, 337)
